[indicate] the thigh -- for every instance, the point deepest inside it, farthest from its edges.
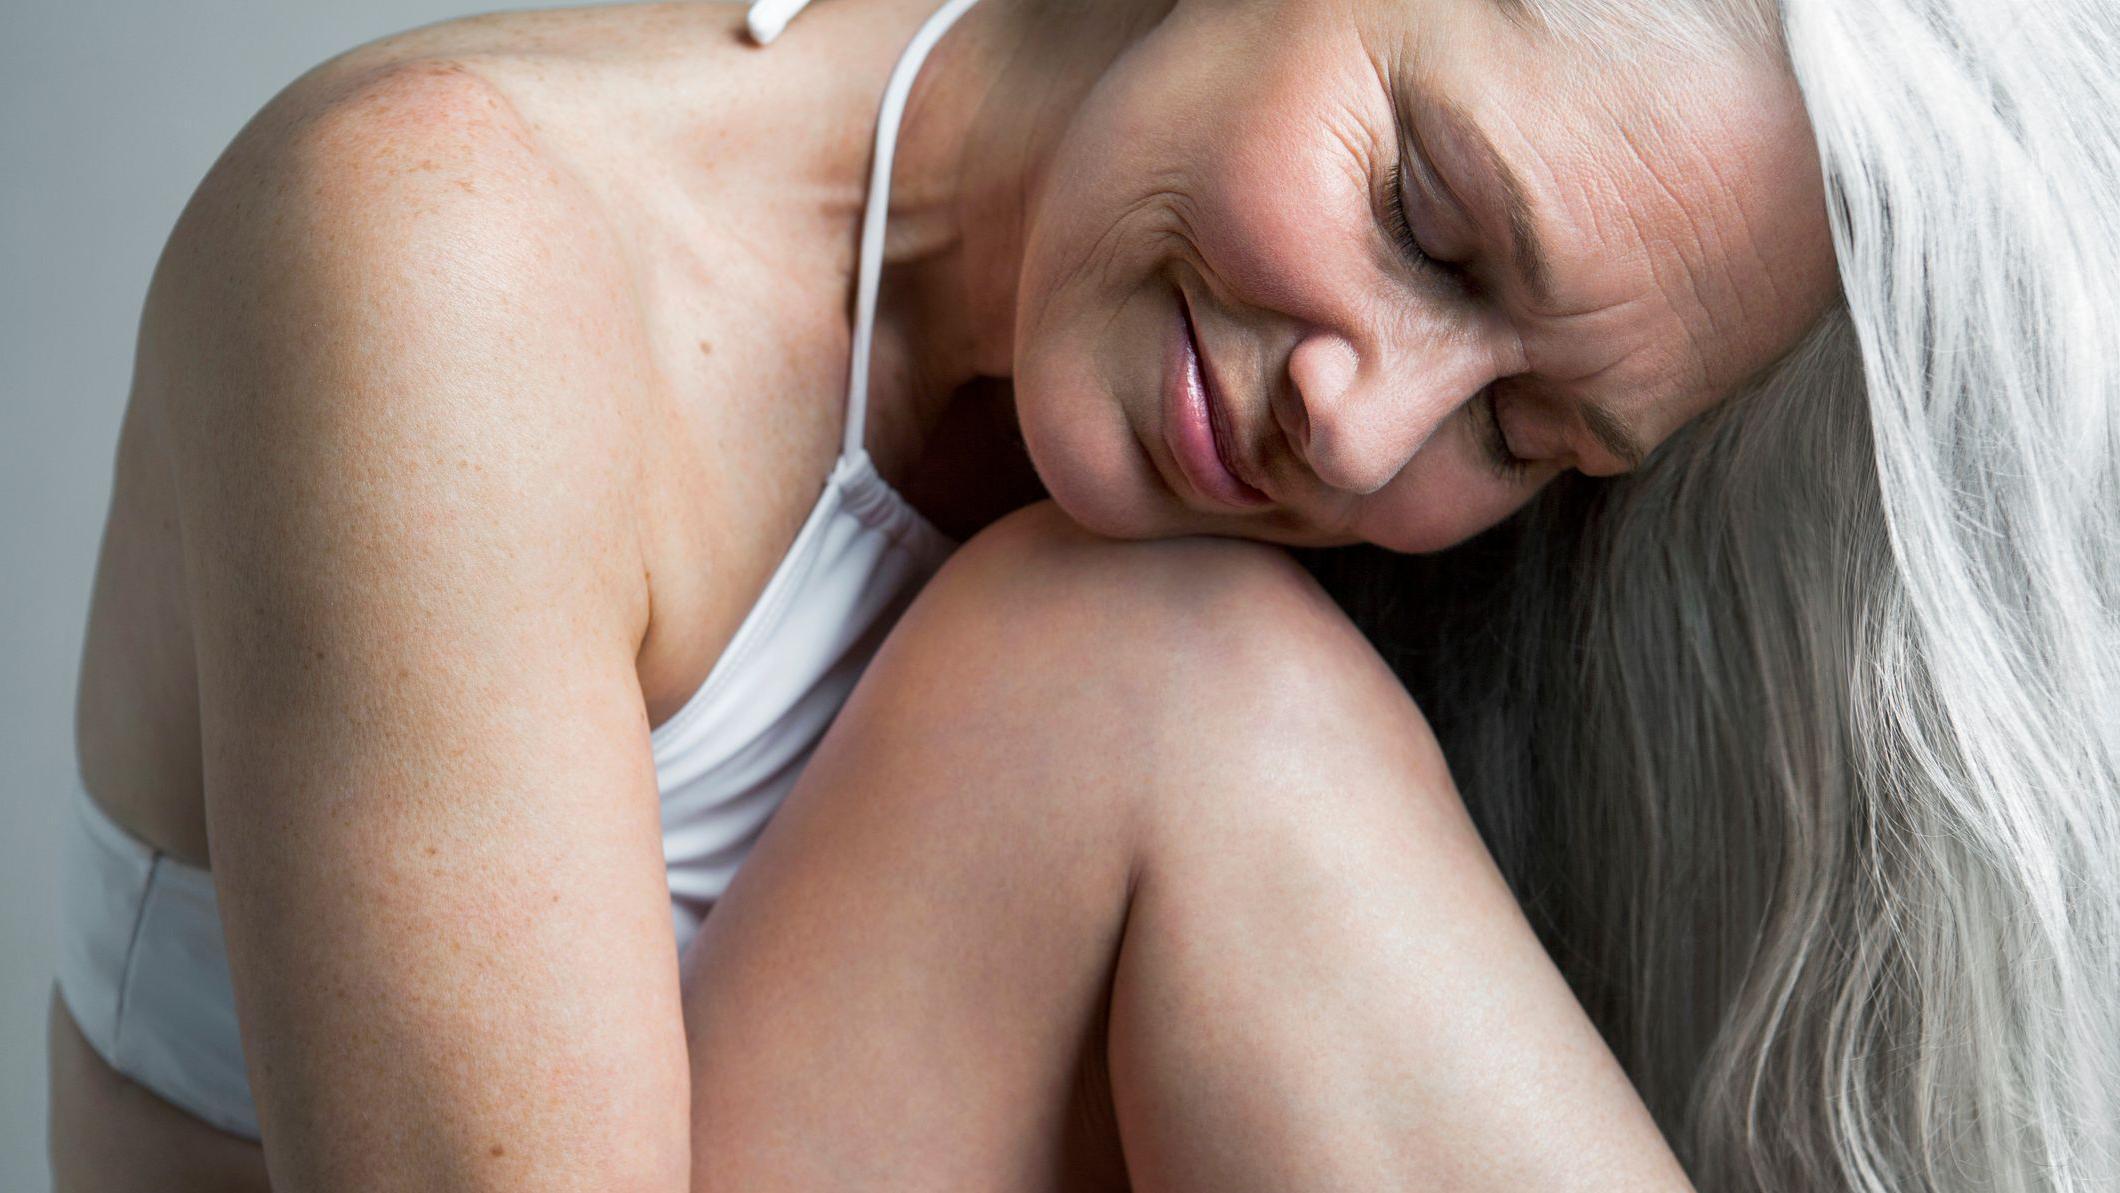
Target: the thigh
(109, 1134)
(907, 986)
(1157, 811)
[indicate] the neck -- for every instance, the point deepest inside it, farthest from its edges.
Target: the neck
(986, 111)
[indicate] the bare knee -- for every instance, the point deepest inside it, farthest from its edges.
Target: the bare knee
(1036, 565)
(1181, 669)
(1183, 611)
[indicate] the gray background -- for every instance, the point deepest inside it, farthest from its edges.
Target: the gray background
(110, 112)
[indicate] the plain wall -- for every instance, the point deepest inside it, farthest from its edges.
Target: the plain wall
(110, 113)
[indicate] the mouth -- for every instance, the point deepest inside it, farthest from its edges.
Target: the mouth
(1196, 425)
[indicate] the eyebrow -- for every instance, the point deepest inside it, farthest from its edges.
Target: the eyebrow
(1527, 255)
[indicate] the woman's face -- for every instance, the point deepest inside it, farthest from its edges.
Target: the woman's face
(1225, 326)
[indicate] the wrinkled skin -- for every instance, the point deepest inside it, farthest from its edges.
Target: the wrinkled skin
(1238, 159)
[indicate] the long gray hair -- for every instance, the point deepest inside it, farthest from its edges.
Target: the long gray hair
(1801, 745)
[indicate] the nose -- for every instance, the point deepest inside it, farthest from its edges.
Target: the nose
(1357, 417)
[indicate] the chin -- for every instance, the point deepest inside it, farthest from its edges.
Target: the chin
(1102, 498)
(1096, 474)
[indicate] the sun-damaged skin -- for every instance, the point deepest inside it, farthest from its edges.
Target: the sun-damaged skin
(488, 376)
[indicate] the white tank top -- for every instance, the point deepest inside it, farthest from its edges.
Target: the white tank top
(143, 965)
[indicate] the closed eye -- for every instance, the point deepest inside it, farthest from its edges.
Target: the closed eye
(1398, 225)
(1494, 442)
(1401, 228)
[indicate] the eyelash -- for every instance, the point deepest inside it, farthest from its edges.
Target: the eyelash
(1507, 464)
(1401, 229)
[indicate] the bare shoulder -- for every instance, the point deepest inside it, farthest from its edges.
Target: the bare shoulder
(630, 36)
(582, 88)
(460, 223)
(388, 274)
(459, 165)
(390, 311)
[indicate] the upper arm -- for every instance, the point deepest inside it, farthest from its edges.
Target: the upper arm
(393, 361)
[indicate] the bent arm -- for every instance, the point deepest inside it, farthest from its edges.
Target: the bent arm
(396, 413)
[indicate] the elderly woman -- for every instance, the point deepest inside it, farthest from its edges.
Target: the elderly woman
(1707, 408)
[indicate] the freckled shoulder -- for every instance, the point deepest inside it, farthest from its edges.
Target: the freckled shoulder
(388, 293)
(393, 355)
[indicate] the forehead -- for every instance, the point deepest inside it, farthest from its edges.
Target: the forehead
(1676, 201)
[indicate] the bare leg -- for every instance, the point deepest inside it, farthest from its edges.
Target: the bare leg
(1170, 783)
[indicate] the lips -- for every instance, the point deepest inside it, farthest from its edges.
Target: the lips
(1196, 425)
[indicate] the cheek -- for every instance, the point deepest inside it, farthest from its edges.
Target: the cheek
(1250, 148)
(1285, 222)
(1112, 212)
(1072, 399)
(1200, 162)
(1092, 298)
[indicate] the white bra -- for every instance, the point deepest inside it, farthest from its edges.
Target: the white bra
(143, 965)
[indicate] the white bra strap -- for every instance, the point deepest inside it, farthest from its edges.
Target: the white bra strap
(870, 269)
(766, 18)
